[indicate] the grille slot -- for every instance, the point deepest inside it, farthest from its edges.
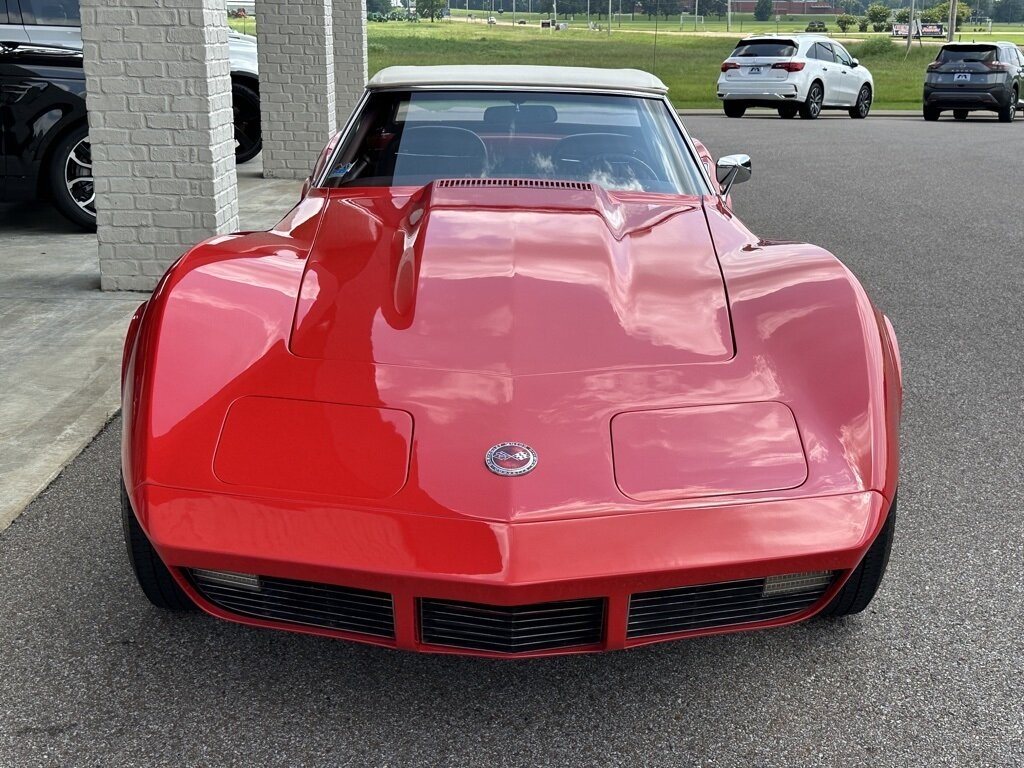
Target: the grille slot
(720, 605)
(533, 183)
(301, 602)
(512, 629)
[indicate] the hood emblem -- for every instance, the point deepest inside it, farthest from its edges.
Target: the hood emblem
(511, 459)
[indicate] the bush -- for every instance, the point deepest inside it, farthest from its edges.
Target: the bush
(878, 15)
(876, 46)
(862, 24)
(763, 10)
(845, 21)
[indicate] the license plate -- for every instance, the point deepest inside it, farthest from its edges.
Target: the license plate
(754, 71)
(961, 77)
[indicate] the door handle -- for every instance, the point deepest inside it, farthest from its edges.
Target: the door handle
(824, 69)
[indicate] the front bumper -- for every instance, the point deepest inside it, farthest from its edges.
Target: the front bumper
(415, 563)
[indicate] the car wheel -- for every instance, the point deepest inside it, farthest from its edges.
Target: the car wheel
(70, 178)
(866, 578)
(862, 106)
(788, 113)
(959, 114)
(156, 581)
(1009, 112)
(931, 114)
(245, 106)
(811, 108)
(733, 110)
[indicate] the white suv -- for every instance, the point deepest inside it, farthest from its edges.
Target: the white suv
(795, 73)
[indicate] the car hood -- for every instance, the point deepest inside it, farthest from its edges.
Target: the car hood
(512, 279)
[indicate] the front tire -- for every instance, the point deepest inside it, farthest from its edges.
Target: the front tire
(862, 106)
(70, 181)
(245, 108)
(811, 108)
(863, 583)
(156, 581)
(931, 114)
(733, 110)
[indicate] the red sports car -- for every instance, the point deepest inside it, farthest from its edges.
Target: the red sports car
(511, 379)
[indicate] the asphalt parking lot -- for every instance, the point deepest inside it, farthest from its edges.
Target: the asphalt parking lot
(932, 674)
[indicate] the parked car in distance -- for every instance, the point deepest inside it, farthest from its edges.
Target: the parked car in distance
(795, 74)
(816, 26)
(57, 23)
(511, 379)
(491, 20)
(968, 77)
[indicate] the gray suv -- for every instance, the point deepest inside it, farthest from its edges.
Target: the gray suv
(57, 23)
(974, 76)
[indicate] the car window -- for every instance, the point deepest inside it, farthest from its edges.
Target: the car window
(411, 138)
(52, 13)
(777, 48)
(3, 12)
(822, 52)
(841, 55)
(978, 53)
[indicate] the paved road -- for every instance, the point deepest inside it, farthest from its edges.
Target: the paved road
(930, 675)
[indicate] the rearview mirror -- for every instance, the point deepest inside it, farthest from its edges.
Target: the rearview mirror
(732, 169)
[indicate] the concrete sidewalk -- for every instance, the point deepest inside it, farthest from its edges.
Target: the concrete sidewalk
(61, 337)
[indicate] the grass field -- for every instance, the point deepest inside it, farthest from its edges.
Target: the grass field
(688, 63)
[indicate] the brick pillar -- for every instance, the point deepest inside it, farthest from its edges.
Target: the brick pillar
(295, 50)
(159, 99)
(350, 61)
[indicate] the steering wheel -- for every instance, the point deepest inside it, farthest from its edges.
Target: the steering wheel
(619, 166)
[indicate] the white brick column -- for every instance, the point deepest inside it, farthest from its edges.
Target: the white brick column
(350, 60)
(159, 99)
(295, 50)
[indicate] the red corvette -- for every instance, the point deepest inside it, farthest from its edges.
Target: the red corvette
(511, 380)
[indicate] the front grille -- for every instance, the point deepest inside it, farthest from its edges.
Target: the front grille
(298, 602)
(725, 604)
(582, 186)
(512, 629)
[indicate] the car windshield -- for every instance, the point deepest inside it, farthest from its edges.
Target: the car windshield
(977, 53)
(411, 138)
(777, 48)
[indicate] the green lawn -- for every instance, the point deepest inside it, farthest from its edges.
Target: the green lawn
(689, 64)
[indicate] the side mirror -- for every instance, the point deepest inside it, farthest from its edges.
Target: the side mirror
(732, 169)
(856, 63)
(306, 185)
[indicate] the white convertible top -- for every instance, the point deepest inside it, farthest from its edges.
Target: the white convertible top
(510, 76)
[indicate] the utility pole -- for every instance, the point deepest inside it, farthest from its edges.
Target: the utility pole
(728, 16)
(696, 10)
(910, 27)
(952, 21)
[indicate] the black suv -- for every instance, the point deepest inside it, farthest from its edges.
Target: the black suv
(974, 76)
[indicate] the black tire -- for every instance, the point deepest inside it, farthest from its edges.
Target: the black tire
(733, 110)
(1008, 112)
(862, 106)
(788, 113)
(931, 114)
(811, 108)
(156, 581)
(863, 583)
(245, 106)
(960, 114)
(69, 178)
